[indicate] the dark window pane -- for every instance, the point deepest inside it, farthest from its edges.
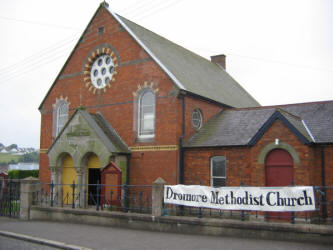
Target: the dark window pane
(218, 182)
(107, 60)
(218, 165)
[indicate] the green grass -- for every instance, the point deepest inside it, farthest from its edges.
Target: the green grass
(7, 158)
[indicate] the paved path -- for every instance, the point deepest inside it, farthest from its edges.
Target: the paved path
(98, 237)
(7, 243)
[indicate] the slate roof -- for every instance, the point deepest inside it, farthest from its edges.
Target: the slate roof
(189, 72)
(311, 122)
(194, 73)
(318, 118)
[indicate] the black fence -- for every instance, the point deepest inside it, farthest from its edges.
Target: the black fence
(124, 198)
(10, 198)
(138, 198)
(322, 214)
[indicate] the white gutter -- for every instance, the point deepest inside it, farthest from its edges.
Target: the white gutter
(172, 76)
(308, 130)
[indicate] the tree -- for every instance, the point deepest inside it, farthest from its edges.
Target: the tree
(30, 157)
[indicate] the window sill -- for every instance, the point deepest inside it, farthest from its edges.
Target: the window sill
(145, 139)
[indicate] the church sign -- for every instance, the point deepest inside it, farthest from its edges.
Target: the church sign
(277, 199)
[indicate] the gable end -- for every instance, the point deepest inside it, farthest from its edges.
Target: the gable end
(278, 116)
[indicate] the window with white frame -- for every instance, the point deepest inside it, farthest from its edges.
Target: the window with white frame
(146, 116)
(62, 116)
(218, 171)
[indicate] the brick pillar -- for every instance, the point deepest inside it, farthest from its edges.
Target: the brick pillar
(28, 187)
(157, 196)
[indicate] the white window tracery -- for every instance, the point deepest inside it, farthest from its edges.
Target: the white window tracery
(146, 116)
(218, 171)
(62, 116)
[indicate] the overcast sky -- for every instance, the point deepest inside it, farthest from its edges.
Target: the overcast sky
(280, 51)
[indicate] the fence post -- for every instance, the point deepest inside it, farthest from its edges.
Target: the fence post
(242, 211)
(52, 193)
(292, 213)
(126, 201)
(28, 187)
(73, 195)
(98, 188)
(157, 196)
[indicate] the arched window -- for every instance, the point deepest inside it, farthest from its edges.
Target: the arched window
(61, 116)
(218, 171)
(146, 116)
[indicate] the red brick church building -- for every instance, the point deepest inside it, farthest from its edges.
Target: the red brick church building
(154, 109)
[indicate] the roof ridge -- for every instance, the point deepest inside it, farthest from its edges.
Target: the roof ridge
(283, 105)
(291, 114)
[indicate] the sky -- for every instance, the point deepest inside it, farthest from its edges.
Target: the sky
(280, 51)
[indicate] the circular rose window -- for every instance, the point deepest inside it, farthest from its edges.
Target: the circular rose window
(101, 71)
(196, 119)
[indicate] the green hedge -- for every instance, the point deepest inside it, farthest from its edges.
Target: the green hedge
(21, 174)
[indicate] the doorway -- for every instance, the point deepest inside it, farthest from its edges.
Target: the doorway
(279, 172)
(94, 178)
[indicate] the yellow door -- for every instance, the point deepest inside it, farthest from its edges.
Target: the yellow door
(68, 177)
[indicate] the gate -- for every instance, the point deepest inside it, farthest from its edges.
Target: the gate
(9, 198)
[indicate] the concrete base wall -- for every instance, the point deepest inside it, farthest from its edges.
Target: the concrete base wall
(189, 225)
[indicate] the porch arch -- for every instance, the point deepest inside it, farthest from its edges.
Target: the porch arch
(281, 145)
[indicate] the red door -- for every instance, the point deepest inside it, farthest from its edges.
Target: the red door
(279, 172)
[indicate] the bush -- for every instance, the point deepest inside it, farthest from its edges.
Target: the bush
(21, 174)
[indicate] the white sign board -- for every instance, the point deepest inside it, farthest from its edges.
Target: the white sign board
(282, 199)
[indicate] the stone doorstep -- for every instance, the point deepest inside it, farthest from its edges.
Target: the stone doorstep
(324, 230)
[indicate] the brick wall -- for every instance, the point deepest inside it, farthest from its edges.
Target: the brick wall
(279, 131)
(197, 165)
(242, 162)
(135, 70)
(208, 110)
(328, 151)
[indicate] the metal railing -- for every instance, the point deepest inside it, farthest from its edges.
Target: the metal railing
(10, 198)
(138, 198)
(322, 214)
(125, 198)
